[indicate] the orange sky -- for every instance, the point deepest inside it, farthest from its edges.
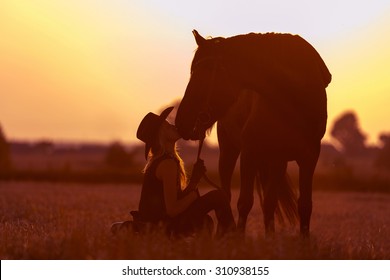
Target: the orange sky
(90, 70)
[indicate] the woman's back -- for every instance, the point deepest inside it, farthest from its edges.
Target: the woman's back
(152, 206)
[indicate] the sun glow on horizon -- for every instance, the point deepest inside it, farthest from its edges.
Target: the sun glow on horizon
(90, 70)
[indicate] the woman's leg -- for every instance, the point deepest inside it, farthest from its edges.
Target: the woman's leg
(213, 200)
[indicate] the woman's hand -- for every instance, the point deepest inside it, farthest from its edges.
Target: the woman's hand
(197, 172)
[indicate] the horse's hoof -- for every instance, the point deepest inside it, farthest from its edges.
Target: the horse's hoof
(115, 227)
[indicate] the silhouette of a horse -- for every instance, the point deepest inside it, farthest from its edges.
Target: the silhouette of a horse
(267, 92)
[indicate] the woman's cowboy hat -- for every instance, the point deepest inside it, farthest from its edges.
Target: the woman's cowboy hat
(149, 126)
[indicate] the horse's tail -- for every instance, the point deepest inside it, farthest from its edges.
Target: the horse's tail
(287, 199)
(287, 203)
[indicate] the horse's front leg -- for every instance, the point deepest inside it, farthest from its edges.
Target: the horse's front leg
(228, 155)
(248, 170)
(307, 166)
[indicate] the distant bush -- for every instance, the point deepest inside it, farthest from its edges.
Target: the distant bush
(118, 157)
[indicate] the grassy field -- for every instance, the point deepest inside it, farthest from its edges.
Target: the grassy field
(72, 221)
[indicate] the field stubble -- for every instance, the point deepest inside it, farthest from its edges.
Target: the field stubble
(72, 221)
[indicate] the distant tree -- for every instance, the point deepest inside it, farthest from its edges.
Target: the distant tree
(347, 132)
(117, 156)
(383, 159)
(5, 158)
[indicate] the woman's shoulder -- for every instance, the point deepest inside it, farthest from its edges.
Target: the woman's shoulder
(166, 163)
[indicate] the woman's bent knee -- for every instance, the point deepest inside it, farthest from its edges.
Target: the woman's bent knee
(217, 197)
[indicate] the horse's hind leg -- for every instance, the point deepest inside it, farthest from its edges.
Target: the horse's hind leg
(228, 154)
(248, 170)
(307, 166)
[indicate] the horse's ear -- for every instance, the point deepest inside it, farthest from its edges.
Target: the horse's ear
(198, 38)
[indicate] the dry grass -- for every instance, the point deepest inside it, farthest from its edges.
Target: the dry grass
(71, 221)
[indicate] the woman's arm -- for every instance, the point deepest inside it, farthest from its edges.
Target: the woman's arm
(167, 171)
(198, 172)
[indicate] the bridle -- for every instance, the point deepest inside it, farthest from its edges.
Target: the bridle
(204, 116)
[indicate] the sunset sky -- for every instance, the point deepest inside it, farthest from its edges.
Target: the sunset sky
(89, 70)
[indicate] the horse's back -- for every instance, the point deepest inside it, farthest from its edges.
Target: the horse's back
(283, 57)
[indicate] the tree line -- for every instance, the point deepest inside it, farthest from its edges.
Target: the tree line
(346, 131)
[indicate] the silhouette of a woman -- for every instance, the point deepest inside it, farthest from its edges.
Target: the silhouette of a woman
(165, 198)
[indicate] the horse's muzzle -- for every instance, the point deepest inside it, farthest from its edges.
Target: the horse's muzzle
(194, 135)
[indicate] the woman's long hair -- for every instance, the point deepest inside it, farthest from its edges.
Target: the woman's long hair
(158, 150)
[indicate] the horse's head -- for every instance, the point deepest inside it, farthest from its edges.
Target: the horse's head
(209, 92)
